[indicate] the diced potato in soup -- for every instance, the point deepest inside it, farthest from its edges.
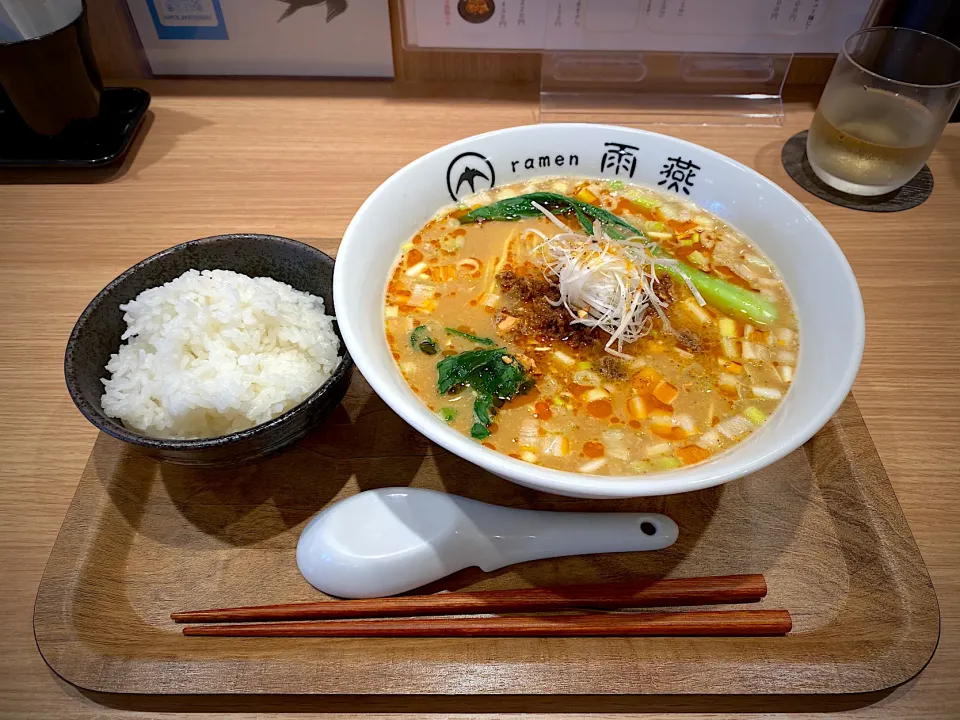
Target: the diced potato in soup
(612, 330)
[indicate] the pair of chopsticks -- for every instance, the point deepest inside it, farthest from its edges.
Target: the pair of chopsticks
(360, 618)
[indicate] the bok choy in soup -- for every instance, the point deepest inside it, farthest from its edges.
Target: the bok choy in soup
(591, 326)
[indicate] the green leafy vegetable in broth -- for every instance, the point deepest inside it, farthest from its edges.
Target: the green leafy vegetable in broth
(494, 372)
(725, 296)
(731, 299)
(420, 340)
(658, 336)
(479, 431)
(494, 375)
(522, 206)
(468, 336)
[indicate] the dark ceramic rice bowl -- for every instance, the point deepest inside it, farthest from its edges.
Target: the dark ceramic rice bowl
(98, 330)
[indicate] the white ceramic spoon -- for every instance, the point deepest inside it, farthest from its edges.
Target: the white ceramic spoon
(384, 542)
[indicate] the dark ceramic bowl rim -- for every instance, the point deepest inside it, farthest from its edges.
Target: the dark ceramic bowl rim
(117, 430)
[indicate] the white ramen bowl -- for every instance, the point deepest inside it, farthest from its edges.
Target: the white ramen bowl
(817, 275)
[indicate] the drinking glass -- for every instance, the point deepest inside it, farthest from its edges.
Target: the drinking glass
(883, 109)
(47, 68)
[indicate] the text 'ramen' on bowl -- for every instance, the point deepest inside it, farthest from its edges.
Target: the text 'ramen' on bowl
(214, 352)
(591, 326)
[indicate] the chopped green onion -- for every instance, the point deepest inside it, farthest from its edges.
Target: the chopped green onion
(642, 201)
(585, 365)
(468, 336)
(448, 414)
(666, 463)
(699, 259)
(616, 185)
(755, 415)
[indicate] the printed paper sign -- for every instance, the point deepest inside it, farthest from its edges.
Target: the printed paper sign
(480, 23)
(723, 26)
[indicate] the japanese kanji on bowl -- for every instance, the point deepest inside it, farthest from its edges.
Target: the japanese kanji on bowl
(826, 299)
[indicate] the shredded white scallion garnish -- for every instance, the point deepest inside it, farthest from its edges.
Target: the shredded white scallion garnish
(605, 283)
(550, 216)
(693, 289)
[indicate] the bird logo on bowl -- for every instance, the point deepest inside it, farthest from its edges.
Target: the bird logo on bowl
(469, 173)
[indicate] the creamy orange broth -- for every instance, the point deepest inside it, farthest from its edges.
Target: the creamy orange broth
(681, 397)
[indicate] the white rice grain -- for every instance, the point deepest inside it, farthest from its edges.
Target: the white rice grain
(214, 352)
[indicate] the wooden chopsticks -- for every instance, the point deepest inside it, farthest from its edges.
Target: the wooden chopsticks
(724, 589)
(341, 618)
(730, 623)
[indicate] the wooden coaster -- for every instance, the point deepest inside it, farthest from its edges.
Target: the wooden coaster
(794, 159)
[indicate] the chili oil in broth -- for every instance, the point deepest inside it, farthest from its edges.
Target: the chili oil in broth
(683, 394)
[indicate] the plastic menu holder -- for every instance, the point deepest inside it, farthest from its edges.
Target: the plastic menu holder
(663, 88)
(638, 62)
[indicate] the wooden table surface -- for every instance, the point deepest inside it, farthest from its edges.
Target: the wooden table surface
(296, 159)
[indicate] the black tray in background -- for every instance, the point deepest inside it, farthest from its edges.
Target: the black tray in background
(84, 143)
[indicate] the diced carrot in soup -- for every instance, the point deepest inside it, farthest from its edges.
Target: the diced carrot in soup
(509, 353)
(692, 454)
(665, 392)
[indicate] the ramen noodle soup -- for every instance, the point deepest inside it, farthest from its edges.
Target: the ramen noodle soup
(591, 326)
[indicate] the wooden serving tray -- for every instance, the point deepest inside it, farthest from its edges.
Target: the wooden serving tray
(142, 540)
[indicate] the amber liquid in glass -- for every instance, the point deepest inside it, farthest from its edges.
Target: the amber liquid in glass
(867, 141)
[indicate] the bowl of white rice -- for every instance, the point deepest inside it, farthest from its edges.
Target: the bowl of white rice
(213, 352)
